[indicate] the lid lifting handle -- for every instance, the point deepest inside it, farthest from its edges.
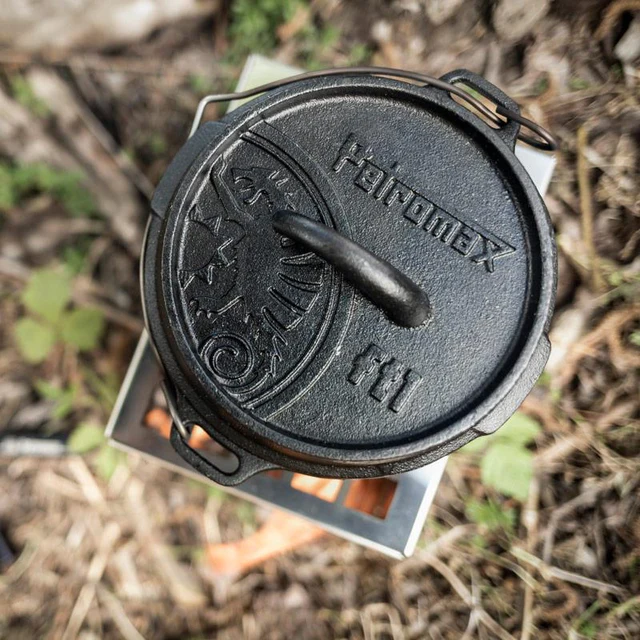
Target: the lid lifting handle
(399, 297)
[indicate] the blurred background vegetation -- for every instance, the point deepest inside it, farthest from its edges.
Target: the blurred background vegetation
(535, 532)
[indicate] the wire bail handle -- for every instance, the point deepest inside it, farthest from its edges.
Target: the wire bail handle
(542, 138)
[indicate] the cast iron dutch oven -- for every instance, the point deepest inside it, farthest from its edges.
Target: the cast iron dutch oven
(350, 276)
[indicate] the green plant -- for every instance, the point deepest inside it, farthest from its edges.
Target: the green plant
(85, 437)
(506, 464)
(157, 144)
(246, 513)
(254, 24)
(200, 84)
(64, 398)
(541, 85)
(104, 389)
(360, 54)
(585, 626)
(46, 297)
(216, 493)
(74, 256)
(317, 45)
(491, 515)
(88, 437)
(21, 180)
(23, 92)
(578, 84)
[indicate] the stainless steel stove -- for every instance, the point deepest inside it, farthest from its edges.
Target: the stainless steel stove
(396, 532)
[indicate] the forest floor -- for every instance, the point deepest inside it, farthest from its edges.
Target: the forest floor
(107, 545)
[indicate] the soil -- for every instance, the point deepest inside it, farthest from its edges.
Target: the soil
(121, 552)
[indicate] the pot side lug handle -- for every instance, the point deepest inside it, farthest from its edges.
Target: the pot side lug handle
(248, 465)
(224, 470)
(510, 129)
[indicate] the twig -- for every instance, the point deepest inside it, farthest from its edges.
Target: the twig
(210, 521)
(11, 269)
(586, 206)
(624, 607)
(612, 14)
(613, 323)
(530, 521)
(466, 596)
(110, 536)
(128, 167)
(184, 588)
(115, 194)
(53, 482)
(561, 449)
(585, 498)
(79, 611)
(549, 572)
(128, 587)
(501, 561)
(120, 619)
(98, 64)
(19, 566)
(86, 481)
(446, 540)
(472, 625)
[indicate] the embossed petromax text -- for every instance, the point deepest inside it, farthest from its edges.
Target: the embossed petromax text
(468, 239)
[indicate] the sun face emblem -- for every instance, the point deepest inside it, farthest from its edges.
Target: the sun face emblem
(248, 289)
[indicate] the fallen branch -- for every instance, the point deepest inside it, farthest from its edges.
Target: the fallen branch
(549, 572)
(586, 207)
(466, 596)
(25, 138)
(586, 498)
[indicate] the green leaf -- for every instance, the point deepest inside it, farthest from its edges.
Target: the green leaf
(246, 513)
(519, 429)
(508, 468)
(216, 493)
(8, 195)
(360, 53)
(107, 461)
(491, 515)
(34, 339)
(24, 94)
(578, 84)
(20, 181)
(105, 389)
(85, 437)
(65, 404)
(82, 328)
(64, 397)
(200, 84)
(476, 446)
(47, 293)
(47, 390)
(544, 380)
(254, 24)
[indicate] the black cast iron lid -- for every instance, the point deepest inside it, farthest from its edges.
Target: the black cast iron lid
(274, 351)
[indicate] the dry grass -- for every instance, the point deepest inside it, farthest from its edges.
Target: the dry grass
(124, 557)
